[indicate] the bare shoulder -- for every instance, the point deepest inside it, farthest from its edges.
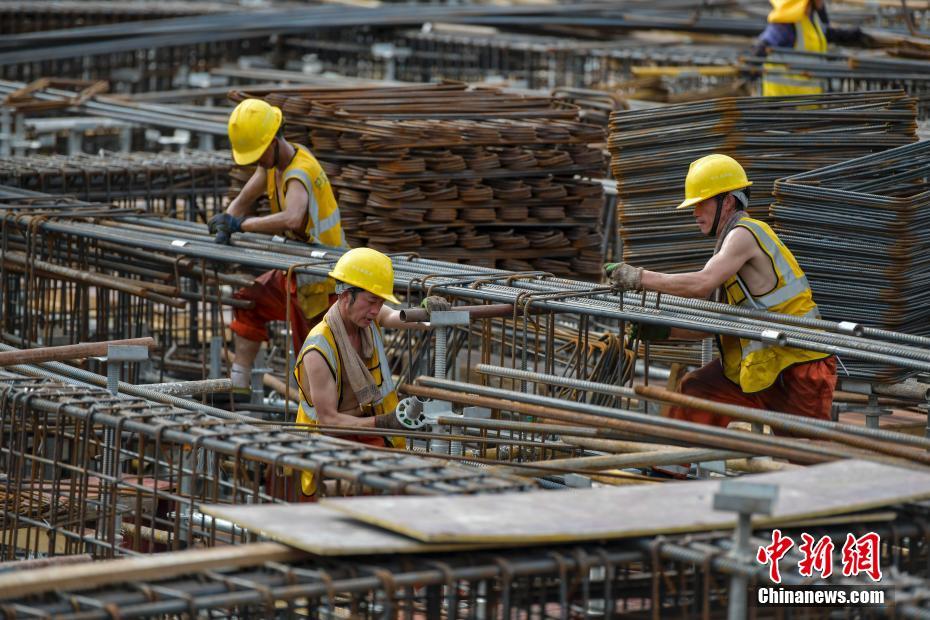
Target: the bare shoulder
(740, 241)
(314, 362)
(295, 187)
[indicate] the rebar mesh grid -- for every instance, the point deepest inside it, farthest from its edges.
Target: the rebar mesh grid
(87, 471)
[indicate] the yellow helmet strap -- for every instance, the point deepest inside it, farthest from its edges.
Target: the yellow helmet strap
(713, 229)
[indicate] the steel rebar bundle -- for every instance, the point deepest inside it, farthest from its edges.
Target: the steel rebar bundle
(859, 230)
(150, 239)
(165, 183)
(771, 137)
(17, 16)
(200, 120)
(458, 173)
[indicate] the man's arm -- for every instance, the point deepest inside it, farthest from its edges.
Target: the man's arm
(317, 381)
(774, 35)
(292, 218)
(737, 249)
(241, 205)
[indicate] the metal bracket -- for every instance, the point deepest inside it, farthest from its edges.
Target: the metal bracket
(746, 499)
(448, 318)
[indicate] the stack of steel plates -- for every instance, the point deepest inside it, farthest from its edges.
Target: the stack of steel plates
(457, 173)
(861, 232)
(773, 137)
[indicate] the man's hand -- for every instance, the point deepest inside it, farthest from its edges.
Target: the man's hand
(223, 225)
(649, 333)
(436, 303)
(623, 276)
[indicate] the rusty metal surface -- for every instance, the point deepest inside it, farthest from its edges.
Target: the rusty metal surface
(452, 172)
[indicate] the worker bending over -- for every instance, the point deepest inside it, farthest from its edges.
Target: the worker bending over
(342, 370)
(804, 26)
(750, 268)
(303, 208)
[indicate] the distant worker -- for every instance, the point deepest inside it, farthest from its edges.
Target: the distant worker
(342, 369)
(804, 26)
(751, 268)
(303, 208)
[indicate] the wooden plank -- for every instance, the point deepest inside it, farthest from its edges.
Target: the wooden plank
(154, 567)
(316, 529)
(591, 514)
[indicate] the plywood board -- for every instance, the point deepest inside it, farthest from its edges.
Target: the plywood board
(834, 488)
(319, 530)
(155, 566)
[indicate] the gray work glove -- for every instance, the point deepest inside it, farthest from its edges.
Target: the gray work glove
(223, 225)
(436, 303)
(624, 276)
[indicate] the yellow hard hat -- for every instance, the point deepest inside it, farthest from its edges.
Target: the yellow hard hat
(787, 11)
(252, 127)
(712, 175)
(369, 270)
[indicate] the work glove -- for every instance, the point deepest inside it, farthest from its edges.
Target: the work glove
(223, 225)
(436, 303)
(648, 333)
(623, 276)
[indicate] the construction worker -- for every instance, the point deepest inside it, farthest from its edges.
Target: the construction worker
(342, 368)
(303, 208)
(750, 268)
(804, 26)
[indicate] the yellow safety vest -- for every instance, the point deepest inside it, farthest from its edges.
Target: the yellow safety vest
(324, 225)
(321, 339)
(753, 365)
(808, 37)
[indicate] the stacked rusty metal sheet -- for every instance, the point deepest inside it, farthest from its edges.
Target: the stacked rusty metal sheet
(772, 137)
(160, 181)
(457, 173)
(861, 231)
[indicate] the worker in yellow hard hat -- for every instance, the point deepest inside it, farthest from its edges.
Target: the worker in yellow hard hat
(342, 369)
(750, 268)
(804, 26)
(303, 208)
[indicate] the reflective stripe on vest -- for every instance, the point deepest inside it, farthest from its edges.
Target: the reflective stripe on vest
(324, 224)
(752, 364)
(808, 37)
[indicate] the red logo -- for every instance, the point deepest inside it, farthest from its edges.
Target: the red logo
(817, 556)
(860, 555)
(770, 554)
